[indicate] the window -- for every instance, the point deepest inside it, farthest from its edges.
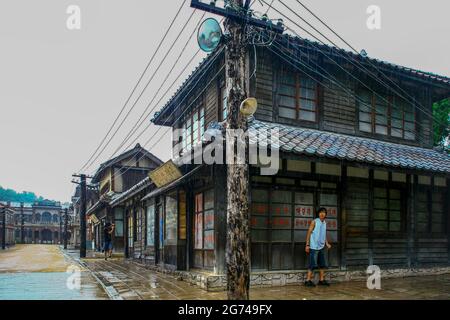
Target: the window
(151, 225)
(297, 97)
(204, 230)
(193, 129)
(403, 120)
(430, 210)
(118, 220)
(171, 217)
(280, 220)
(387, 216)
(386, 115)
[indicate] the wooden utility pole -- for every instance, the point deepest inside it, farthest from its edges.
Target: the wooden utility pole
(65, 229)
(83, 191)
(22, 224)
(83, 217)
(238, 232)
(4, 229)
(60, 228)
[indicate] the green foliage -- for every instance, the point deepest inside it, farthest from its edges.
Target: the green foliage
(13, 196)
(441, 114)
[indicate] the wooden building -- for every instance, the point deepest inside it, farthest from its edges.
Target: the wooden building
(360, 147)
(112, 179)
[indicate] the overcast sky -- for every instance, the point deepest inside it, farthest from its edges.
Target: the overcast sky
(60, 90)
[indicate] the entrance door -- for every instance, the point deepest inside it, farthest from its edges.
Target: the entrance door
(280, 220)
(130, 238)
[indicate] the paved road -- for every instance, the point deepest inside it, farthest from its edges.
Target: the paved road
(39, 272)
(135, 283)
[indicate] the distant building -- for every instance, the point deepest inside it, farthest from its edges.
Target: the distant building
(112, 179)
(9, 219)
(40, 222)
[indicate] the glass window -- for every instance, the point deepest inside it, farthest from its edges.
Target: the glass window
(386, 115)
(151, 225)
(297, 97)
(387, 210)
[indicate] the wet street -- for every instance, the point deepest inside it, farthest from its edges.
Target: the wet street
(39, 272)
(131, 281)
(42, 272)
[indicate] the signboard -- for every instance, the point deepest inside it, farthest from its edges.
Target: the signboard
(165, 174)
(94, 219)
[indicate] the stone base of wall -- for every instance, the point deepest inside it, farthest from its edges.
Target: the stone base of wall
(212, 282)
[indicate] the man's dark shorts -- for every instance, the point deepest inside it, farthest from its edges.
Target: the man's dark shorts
(108, 246)
(318, 259)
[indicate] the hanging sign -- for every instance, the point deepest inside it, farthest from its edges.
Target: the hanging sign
(165, 174)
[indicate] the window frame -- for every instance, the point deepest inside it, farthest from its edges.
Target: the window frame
(391, 104)
(189, 125)
(298, 86)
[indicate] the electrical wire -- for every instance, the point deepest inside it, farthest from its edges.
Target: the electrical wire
(135, 87)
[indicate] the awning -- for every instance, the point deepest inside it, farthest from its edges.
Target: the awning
(332, 145)
(171, 185)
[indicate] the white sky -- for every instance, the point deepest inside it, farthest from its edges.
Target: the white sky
(60, 90)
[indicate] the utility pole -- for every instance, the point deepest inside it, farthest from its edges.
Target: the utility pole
(237, 83)
(238, 233)
(60, 228)
(22, 224)
(83, 190)
(4, 229)
(65, 229)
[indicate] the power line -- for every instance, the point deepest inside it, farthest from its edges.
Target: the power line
(211, 62)
(143, 116)
(146, 86)
(135, 87)
(333, 80)
(359, 66)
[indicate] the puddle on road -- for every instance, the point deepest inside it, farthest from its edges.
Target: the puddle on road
(48, 286)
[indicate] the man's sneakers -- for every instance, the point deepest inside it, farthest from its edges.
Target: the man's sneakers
(309, 284)
(324, 283)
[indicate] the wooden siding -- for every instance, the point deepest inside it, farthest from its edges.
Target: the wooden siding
(339, 109)
(357, 209)
(264, 86)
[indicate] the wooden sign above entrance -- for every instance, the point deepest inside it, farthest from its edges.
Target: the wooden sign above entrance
(165, 174)
(94, 219)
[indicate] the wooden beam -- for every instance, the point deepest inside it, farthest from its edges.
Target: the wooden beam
(371, 211)
(220, 223)
(410, 218)
(343, 218)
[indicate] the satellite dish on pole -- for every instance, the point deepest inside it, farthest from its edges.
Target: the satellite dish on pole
(209, 35)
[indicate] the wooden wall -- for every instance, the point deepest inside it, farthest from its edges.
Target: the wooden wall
(337, 108)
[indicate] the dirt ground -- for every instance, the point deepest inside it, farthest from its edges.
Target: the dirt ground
(33, 258)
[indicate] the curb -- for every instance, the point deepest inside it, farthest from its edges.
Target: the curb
(112, 293)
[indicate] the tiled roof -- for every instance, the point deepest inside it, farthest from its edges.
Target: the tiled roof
(132, 191)
(379, 63)
(338, 146)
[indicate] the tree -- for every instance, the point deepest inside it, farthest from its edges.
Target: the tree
(441, 114)
(14, 196)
